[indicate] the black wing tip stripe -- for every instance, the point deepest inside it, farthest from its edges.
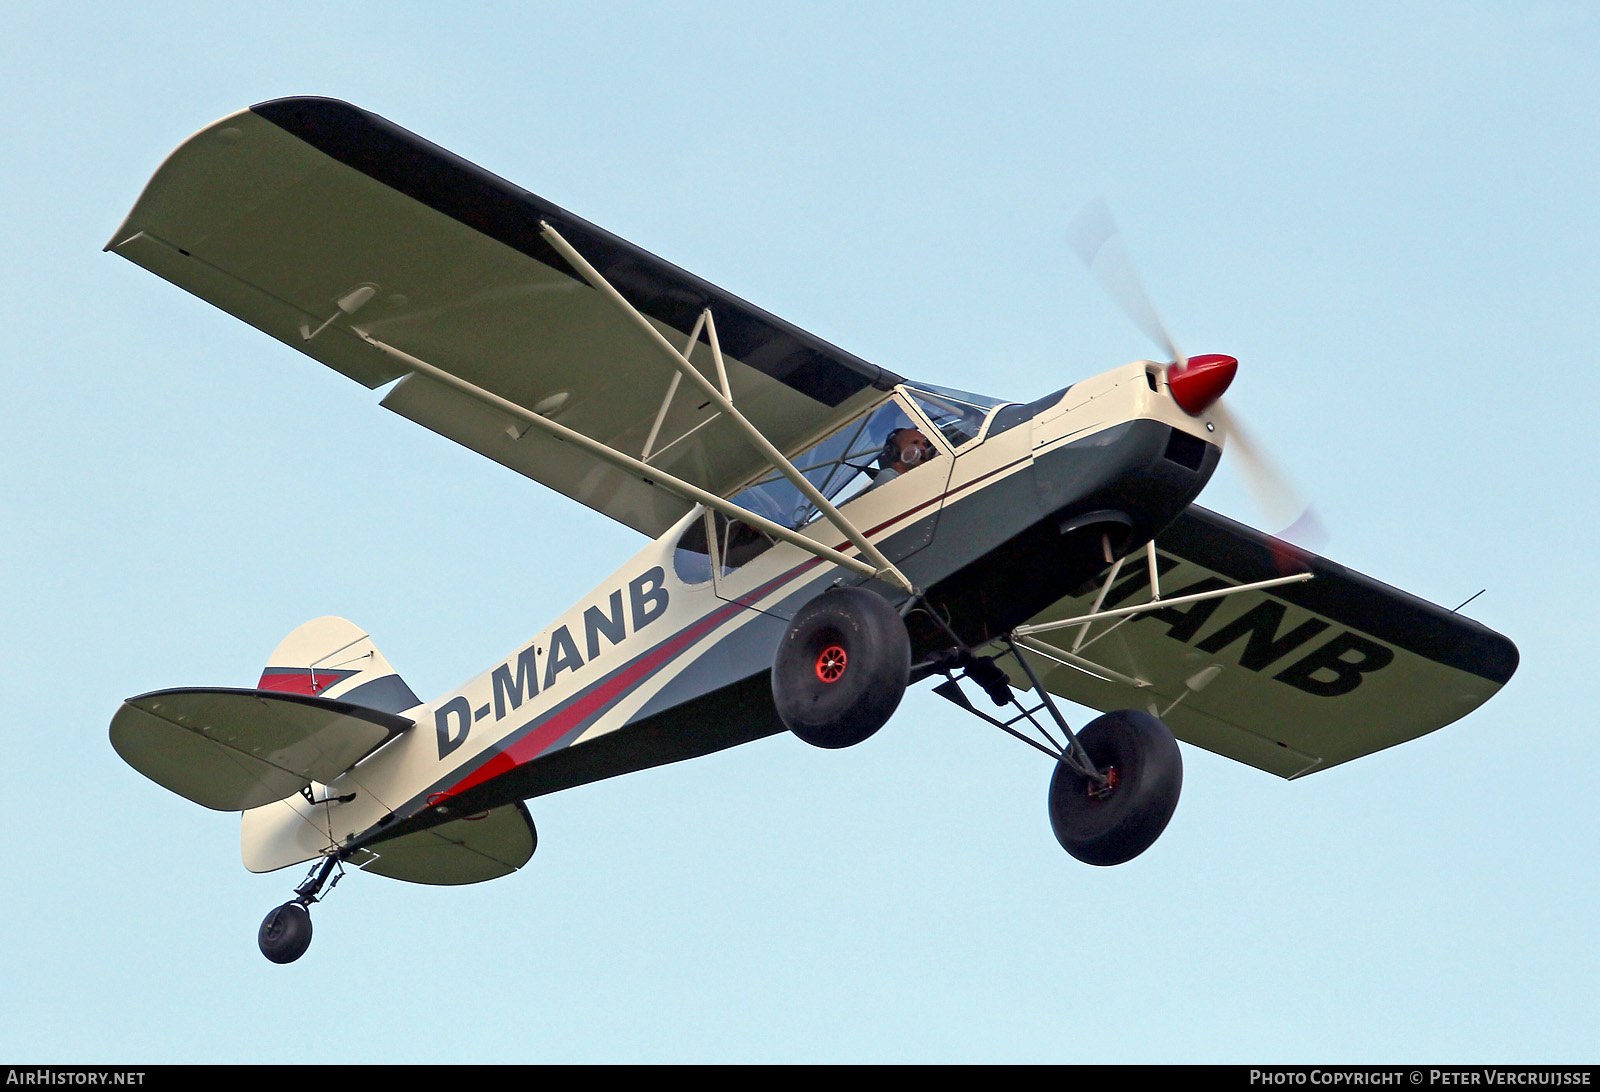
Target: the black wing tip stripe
(465, 192)
(1244, 554)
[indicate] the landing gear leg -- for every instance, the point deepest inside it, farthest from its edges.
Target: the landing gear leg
(285, 933)
(987, 674)
(1116, 782)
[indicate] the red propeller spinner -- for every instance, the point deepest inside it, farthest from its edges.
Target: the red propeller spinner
(1196, 383)
(1200, 381)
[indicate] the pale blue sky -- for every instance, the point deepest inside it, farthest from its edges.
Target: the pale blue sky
(1385, 211)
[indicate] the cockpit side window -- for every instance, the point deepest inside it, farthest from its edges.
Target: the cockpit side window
(692, 559)
(841, 466)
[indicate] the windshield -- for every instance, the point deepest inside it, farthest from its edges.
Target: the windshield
(957, 414)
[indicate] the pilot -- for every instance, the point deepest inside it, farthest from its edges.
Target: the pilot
(903, 449)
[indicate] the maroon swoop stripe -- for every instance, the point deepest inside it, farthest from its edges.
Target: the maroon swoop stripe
(537, 740)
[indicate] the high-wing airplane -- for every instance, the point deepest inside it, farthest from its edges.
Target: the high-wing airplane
(824, 534)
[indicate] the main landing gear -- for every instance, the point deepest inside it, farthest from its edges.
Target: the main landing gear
(1116, 782)
(842, 668)
(286, 932)
(844, 665)
(1115, 817)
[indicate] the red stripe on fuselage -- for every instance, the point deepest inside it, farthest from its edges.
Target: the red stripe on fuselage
(535, 742)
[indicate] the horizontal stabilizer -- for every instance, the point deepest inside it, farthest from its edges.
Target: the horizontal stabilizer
(231, 750)
(483, 847)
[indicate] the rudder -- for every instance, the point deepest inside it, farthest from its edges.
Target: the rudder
(335, 658)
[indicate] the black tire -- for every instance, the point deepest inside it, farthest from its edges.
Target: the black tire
(285, 933)
(1117, 825)
(842, 668)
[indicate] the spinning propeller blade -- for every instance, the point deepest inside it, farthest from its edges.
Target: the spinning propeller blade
(1093, 234)
(1280, 503)
(1197, 384)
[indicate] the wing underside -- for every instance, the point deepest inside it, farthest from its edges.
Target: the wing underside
(1290, 680)
(324, 225)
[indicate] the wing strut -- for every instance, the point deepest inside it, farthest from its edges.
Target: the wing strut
(649, 473)
(1022, 636)
(724, 402)
(672, 389)
(1157, 603)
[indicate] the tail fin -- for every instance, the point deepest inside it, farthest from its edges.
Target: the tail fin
(333, 658)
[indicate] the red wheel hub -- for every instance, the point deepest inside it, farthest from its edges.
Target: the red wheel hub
(1100, 792)
(830, 664)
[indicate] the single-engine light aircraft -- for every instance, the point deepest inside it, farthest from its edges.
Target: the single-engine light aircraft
(825, 533)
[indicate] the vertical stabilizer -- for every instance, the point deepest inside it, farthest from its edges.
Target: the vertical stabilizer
(333, 658)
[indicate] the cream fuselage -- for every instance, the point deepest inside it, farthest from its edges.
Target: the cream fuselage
(651, 668)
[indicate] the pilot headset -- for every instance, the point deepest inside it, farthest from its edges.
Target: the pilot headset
(892, 453)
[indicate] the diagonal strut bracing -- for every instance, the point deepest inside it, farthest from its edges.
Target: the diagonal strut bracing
(624, 462)
(721, 399)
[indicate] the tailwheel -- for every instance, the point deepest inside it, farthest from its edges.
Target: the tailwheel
(285, 933)
(1116, 817)
(841, 668)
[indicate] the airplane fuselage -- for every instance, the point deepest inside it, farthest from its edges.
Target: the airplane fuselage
(669, 657)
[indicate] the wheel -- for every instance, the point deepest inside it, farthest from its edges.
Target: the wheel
(841, 668)
(285, 933)
(1118, 823)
